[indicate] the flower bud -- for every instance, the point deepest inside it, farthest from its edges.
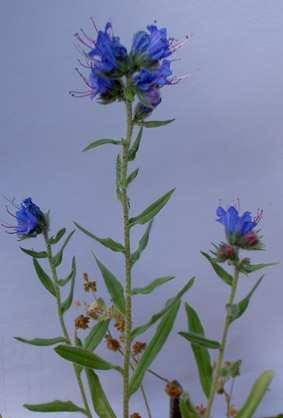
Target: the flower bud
(226, 252)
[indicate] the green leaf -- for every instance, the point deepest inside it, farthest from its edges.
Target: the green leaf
(54, 240)
(57, 259)
(44, 278)
(107, 242)
(55, 406)
(151, 210)
(113, 285)
(100, 402)
(42, 342)
(132, 176)
(142, 244)
(251, 268)
(96, 335)
(186, 408)
(156, 123)
(243, 304)
(198, 339)
(118, 176)
(201, 354)
(135, 147)
(152, 286)
(69, 300)
(256, 395)
(34, 254)
(223, 274)
(99, 142)
(84, 358)
(154, 318)
(63, 282)
(154, 347)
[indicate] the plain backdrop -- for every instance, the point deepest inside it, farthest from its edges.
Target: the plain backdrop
(226, 143)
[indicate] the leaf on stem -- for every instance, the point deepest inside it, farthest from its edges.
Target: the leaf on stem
(96, 335)
(107, 242)
(152, 286)
(99, 142)
(57, 259)
(100, 402)
(198, 339)
(54, 240)
(223, 274)
(156, 123)
(135, 147)
(186, 408)
(44, 278)
(42, 342)
(63, 282)
(142, 244)
(69, 300)
(34, 254)
(251, 268)
(55, 406)
(132, 176)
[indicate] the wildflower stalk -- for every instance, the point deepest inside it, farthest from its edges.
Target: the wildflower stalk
(223, 342)
(127, 254)
(62, 321)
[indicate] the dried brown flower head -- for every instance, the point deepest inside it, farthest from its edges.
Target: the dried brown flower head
(89, 285)
(138, 347)
(112, 344)
(81, 322)
(173, 389)
(232, 411)
(201, 409)
(120, 325)
(95, 309)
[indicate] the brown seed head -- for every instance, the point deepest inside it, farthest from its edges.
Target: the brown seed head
(120, 325)
(201, 409)
(112, 344)
(232, 411)
(81, 322)
(173, 389)
(138, 347)
(90, 286)
(95, 310)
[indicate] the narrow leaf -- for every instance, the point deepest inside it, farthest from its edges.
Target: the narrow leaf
(55, 406)
(152, 286)
(201, 354)
(135, 147)
(223, 274)
(154, 318)
(54, 240)
(57, 259)
(132, 176)
(84, 358)
(44, 278)
(100, 142)
(250, 268)
(198, 339)
(151, 210)
(186, 408)
(96, 335)
(42, 342)
(113, 285)
(154, 347)
(69, 300)
(63, 282)
(142, 244)
(34, 254)
(100, 402)
(107, 242)
(256, 395)
(156, 123)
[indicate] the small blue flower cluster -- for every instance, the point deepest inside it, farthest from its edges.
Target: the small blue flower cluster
(145, 67)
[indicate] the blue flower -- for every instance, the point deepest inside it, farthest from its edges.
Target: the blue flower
(153, 45)
(146, 79)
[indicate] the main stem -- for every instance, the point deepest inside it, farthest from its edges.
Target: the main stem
(219, 361)
(62, 322)
(127, 254)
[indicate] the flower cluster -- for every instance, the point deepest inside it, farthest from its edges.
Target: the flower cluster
(118, 74)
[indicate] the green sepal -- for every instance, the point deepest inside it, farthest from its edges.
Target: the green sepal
(152, 285)
(34, 254)
(223, 274)
(151, 210)
(132, 176)
(54, 240)
(107, 242)
(55, 406)
(69, 300)
(42, 342)
(44, 278)
(57, 259)
(100, 402)
(96, 335)
(135, 147)
(198, 339)
(154, 346)
(156, 123)
(142, 244)
(99, 142)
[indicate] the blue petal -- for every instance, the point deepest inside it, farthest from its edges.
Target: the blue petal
(231, 220)
(141, 41)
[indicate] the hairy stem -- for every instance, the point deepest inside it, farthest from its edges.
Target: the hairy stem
(62, 321)
(127, 254)
(219, 361)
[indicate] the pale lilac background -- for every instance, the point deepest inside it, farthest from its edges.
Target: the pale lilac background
(225, 143)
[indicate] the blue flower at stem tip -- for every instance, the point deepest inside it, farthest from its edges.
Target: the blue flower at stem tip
(239, 229)
(31, 221)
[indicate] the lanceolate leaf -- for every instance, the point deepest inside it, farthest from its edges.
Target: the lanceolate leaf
(142, 244)
(154, 346)
(100, 402)
(152, 286)
(84, 358)
(57, 259)
(170, 302)
(69, 300)
(107, 242)
(250, 268)
(113, 285)
(96, 335)
(44, 278)
(186, 407)
(132, 176)
(156, 123)
(63, 282)
(243, 304)
(55, 406)
(34, 254)
(54, 240)
(223, 274)
(256, 394)
(100, 142)
(151, 210)
(201, 354)
(198, 339)
(135, 147)
(42, 342)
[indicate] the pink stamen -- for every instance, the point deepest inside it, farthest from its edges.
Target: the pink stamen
(80, 39)
(94, 24)
(79, 94)
(259, 216)
(10, 213)
(87, 37)
(83, 77)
